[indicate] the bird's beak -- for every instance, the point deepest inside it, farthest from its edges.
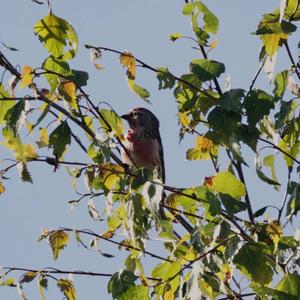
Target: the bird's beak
(125, 117)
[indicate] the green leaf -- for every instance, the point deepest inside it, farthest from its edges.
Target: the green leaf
(257, 104)
(280, 83)
(175, 36)
(24, 172)
(225, 124)
(293, 205)
(56, 33)
(9, 282)
(261, 175)
(231, 100)
(67, 288)
(206, 69)
(140, 91)
(166, 79)
(58, 240)
(80, 77)
(231, 204)
(57, 66)
(60, 138)
(253, 263)
(260, 212)
(227, 183)
(5, 105)
(273, 33)
(114, 121)
(212, 206)
(269, 161)
(120, 282)
(292, 10)
(13, 115)
(288, 288)
(211, 22)
(165, 271)
(139, 292)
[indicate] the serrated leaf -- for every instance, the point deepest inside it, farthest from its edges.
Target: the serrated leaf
(289, 287)
(257, 104)
(128, 61)
(13, 115)
(274, 231)
(26, 76)
(24, 172)
(113, 120)
(67, 288)
(253, 263)
(227, 183)
(204, 149)
(232, 100)
(56, 66)
(164, 271)
(58, 240)
(206, 69)
(139, 292)
(166, 79)
(56, 34)
(140, 91)
(60, 138)
(120, 282)
(111, 174)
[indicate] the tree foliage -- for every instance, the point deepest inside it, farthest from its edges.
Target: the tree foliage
(227, 250)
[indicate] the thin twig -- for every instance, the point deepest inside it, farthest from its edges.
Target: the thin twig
(146, 66)
(291, 58)
(255, 77)
(50, 270)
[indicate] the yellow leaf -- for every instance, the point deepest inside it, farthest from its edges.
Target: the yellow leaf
(214, 44)
(2, 188)
(58, 240)
(129, 62)
(274, 231)
(67, 287)
(29, 151)
(26, 76)
(169, 295)
(70, 89)
(43, 139)
(271, 41)
(204, 144)
(110, 174)
(144, 280)
(184, 119)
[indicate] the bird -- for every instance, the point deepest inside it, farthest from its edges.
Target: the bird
(143, 146)
(143, 149)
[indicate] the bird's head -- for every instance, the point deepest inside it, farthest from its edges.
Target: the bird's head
(140, 119)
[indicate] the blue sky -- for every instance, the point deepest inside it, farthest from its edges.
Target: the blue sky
(142, 27)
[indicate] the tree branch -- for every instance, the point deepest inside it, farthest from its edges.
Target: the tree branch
(146, 66)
